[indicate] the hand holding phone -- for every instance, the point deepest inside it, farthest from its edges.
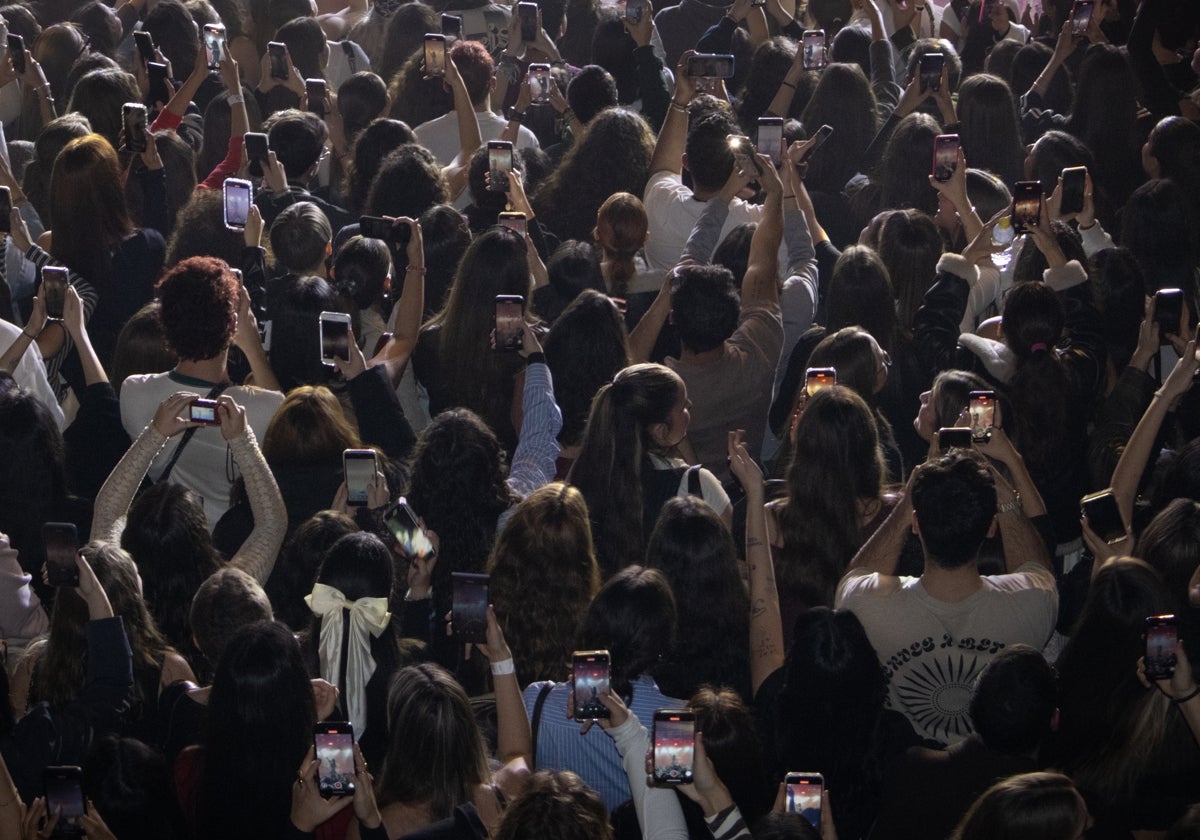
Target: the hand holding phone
(335, 337)
(54, 290)
(590, 677)
(1162, 635)
(333, 745)
(133, 116)
(770, 138)
(1027, 205)
(238, 196)
(204, 412)
(817, 378)
(803, 796)
(214, 45)
(813, 45)
(674, 747)
(510, 322)
(500, 163)
(981, 407)
(406, 528)
(61, 543)
(358, 468)
(435, 55)
(945, 156)
(469, 609)
(16, 49)
(1168, 312)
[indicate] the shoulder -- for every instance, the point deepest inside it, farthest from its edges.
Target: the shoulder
(664, 184)
(859, 585)
(742, 211)
(710, 489)
(760, 322)
(1029, 577)
(526, 139)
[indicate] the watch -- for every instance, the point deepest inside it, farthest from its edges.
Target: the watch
(514, 114)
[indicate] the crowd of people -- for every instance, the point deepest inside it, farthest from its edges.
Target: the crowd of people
(580, 419)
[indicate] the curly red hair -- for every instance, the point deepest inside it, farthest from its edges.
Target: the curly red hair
(199, 307)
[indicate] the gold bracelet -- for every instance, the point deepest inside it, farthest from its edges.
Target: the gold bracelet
(675, 106)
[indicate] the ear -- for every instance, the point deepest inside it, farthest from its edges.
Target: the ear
(491, 84)
(991, 528)
(684, 160)
(658, 433)
(916, 526)
(329, 248)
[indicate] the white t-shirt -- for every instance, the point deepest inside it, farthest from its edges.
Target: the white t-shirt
(30, 373)
(673, 212)
(440, 135)
(205, 463)
(933, 650)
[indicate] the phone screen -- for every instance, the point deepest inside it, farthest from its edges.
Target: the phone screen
(500, 157)
(452, 27)
(145, 44)
(134, 115)
(1074, 184)
(375, 227)
(1104, 516)
(1161, 636)
(64, 796)
(539, 82)
(237, 203)
(54, 290)
(359, 466)
(435, 55)
(406, 529)
(818, 140)
(334, 745)
(315, 90)
(278, 52)
(16, 48)
(1081, 17)
(814, 49)
(804, 796)
(1168, 311)
(1027, 205)
(335, 337)
(514, 222)
(469, 609)
(931, 71)
(590, 672)
(945, 156)
(817, 378)
(635, 10)
(214, 45)
(61, 542)
(528, 17)
(770, 138)
(982, 410)
(674, 747)
(157, 73)
(743, 154)
(710, 66)
(510, 315)
(257, 152)
(954, 438)
(203, 411)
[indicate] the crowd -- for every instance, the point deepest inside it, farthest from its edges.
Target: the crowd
(582, 419)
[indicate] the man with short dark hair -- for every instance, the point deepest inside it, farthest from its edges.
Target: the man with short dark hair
(297, 142)
(935, 633)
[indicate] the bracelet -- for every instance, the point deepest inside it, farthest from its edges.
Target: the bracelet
(29, 335)
(786, 83)
(236, 99)
(535, 359)
(503, 667)
(786, 197)
(418, 269)
(1179, 701)
(1010, 506)
(568, 114)
(675, 106)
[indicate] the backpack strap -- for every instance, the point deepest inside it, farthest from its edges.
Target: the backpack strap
(693, 481)
(543, 693)
(349, 51)
(187, 436)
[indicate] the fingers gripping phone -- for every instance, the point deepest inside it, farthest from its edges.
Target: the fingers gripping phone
(1103, 516)
(61, 543)
(744, 155)
(358, 467)
(16, 49)
(591, 677)
(981, 407)
(333, 743)
(510, 318)
(406, 528)
(539, 82)
(704, 68)
(818, 141)
(214, 45)
(674, 747)
(204, 412)
(63, 787)
(1081, 17)
(469, 606)
(315, 91)
(1074, 187)
(257, 152)
(278, 52)
(930, 68)
(528, 15)
(803, 796)
(1168, 311)
(770, 138)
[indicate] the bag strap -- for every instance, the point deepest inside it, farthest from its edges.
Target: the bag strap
(349, 51)
(693, 481)
(543, 693)
(187, 436)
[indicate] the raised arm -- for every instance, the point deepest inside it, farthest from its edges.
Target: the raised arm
(541, 421)
(668, 149)
(658, 812)
(514, 738)
(706, 233)
(1018, 504)
(761, 283)
(880, 554)
(643, 336)
(406, 315)
(469, 138)
(256, 556)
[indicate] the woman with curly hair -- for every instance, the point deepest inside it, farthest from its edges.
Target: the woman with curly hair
(570, 198)
(543, 576)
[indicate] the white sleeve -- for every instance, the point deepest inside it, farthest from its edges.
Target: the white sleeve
(31, 376)
(658, 811)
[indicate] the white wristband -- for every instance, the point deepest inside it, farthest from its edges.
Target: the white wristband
(236, 99)
(503, 667)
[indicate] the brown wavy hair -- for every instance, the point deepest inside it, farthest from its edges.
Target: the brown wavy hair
(87, 203)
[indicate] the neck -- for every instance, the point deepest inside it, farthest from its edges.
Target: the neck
(704, 195)
(706, 357)
(950, 585)
(480, 106)
(210, 370)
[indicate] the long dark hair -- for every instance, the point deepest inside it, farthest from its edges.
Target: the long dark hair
(843, 99)
(633, 618)
(989, 127)
(87, 202)
(910, 247)
(1104, 117)
(260, 717)
(33, 481)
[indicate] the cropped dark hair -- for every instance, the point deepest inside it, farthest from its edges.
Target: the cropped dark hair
(555, 803)
(361, 99)
(590, 92)
(361, 269)
(709, 160)
(300, 235)
(225, 603)
(705, 307)
(407, 183)
(633, 618)
(304, 40)
(378, 140)
(297, 138)
(476, 67)
(1013, 701)
(954, 499)
(199, 307)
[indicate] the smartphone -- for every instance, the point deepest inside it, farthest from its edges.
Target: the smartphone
(1027, 205)
(820, 137)
(813, 44)
(452, 27)
(981, 407)
(1104, 516)
(527, 13)
(134, 116)
(710, 66)
(515, 222)
(803, 796)
(238, 195)
(358, 467)
(469, 606)
(635, 10)
(953, 437)
(157, 75)
(61, 542)
(591, 678)
(510, 317)
(1081, 17)
(406, 528)
(744, 155)
(770, 138)
(278, 52)
(674, 741)
(1168, 312)
(64, 795)
(214, 45)
(54, 288)
(945, 156)
(315, 89)
(375, 227)
(333, 742)
(539, 82)
(930, 69)
(257, 152)
(204, 412)
(6, 210)
(435, 55)
(1074, 184)
(16, 49)
(1161, 637)
(817, 378)
(335, 337)
(145, 44)
(500, 158)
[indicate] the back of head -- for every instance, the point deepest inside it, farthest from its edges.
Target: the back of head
(951, 391)
(305, 41)
(573, 268)
(174, 33)
(1033, 325)
(1014, 700)
(295, 331)
(1175, 145)
(1044, 806)
(447, 238)
(280, 12)
(32, 465)
(954, 502)
(300, 237)
(100, 26)
(127, 782)
(633, 618)
(199, 299)
(621, 229)
(989, 128)
(1120, 294)
(406, 27)
(378, 140)
(358, 565)
(831, 15)
(851, 351)
(361, 99)
(704, 306)
(225, 603)
(361, 271)
(861, 294)
(1157, 226)
(407, 183)
(297, 138)
(476, 67)
(1171, 545)
(86, 197)
(55, 135)
(555, 803)
(731, 742)
(591, 91)
(142, 346)
(200, 231)
(843, 100)
(910, 247)
(1028, 63)
(903, 172)
(99, 96)
(296, 570)
(709, 160)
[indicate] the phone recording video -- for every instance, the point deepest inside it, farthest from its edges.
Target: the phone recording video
(61, 542)
(770, 138)
(803, 796)
(515, 222)
(818, 141)
(953, 437)
(469, 606)
(674, 747)
(1074, 187)
(278, 52)
(375, 227)
(334, 747)
(744, 155)
(156, 73)
(1027, 205)
(635, 10)
(335, 337)
(817, 378)
(452, 27)
(1161, 638)
(144, 42)
(64, 796)
(1168, 312)
(710, 66)
(500, 162)
(435, 55)
(813, 44)
(930, 68)
(1103, 516)
(406, 528)
(204, 412)
(315, 93)
(945, 156)
(214, 45)
(54, 290)
(16, 49)
(238, 195)
(981, 408)
(528, 15)
(510, 320)
(257, 152)
(591, 678)
(1081, 17)
(358, 468)
(133, 116)
(539, 82)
